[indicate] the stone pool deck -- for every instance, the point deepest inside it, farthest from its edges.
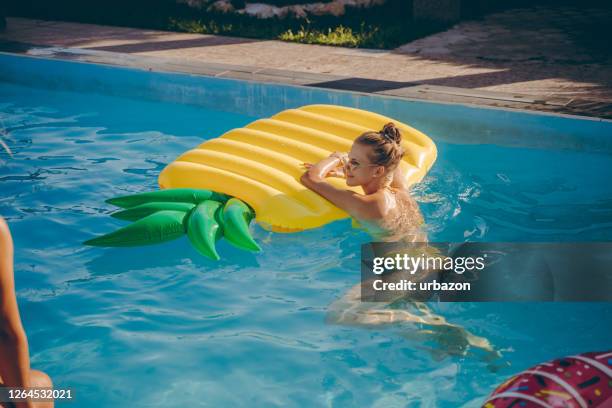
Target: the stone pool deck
(551, 59)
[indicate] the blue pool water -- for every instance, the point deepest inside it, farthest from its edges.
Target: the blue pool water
(163, 326)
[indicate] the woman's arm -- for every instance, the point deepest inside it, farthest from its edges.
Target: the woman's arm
(357, 205)
(14, 358)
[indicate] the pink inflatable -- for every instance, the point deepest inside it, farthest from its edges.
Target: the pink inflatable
(582, 381)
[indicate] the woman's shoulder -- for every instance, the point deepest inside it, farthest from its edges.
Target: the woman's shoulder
(405, 196)
(376, 206)
(407, 206)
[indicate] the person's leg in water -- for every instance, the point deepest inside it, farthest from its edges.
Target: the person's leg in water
(15, 368)
(416, 322)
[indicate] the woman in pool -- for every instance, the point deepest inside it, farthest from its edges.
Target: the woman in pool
(389, 213)
(15, 369)
(386, 208)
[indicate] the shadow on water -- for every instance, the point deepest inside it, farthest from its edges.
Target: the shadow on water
(115, 261)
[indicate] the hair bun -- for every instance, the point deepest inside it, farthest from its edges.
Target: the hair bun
(391, 133)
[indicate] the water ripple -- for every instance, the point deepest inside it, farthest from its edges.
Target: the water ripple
(168, 327)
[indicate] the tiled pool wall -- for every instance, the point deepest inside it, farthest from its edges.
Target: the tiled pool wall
(445, 122)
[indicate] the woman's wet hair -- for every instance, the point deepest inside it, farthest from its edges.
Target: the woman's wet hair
(386, 146)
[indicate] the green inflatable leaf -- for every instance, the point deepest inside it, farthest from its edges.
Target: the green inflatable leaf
(236, 218)
(146, 209)
(163, 215)
(184, 195)
(203, 228)
(155, 228)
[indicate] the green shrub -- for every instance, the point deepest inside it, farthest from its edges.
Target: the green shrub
(340, 36)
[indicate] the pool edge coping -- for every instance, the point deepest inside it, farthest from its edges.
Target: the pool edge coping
(443, 95)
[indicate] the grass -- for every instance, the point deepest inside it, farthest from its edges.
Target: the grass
(365, 36)
(341, 36)
(382, 27)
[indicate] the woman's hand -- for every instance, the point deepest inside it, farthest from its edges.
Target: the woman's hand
(343, 157)
(331, 166)
(335, 172)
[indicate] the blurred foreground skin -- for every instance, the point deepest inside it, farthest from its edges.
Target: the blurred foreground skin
(15, 369)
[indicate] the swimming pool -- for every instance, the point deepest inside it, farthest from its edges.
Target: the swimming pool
(163, 326)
